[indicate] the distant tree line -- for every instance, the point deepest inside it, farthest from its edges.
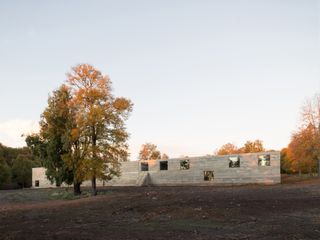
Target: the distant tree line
(16, 167)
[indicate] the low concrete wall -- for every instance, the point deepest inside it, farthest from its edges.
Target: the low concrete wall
(129, 175)
(249, 171)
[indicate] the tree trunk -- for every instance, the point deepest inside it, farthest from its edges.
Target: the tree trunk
(94, 186)
(76, 188)
(94, 144)
(310, 171)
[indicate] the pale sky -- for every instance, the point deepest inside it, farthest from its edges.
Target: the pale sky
(200, 73)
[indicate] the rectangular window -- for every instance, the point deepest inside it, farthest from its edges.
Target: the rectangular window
(234, 162)
(185, 164)
(208, 176)
(144, 167)
(264, 160)
(37, 183)
(164, 165)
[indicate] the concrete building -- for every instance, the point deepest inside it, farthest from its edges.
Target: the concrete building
(250, 168)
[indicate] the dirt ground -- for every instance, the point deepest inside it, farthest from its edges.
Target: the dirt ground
(287, 211)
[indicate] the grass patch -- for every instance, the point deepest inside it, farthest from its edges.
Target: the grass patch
(105, 192)
(68, 195)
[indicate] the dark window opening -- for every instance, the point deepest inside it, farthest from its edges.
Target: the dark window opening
(184, 164)
(144, 167)
(234, 162)
(208, 176)
(37, 183)
(164, 165)
(264, 160)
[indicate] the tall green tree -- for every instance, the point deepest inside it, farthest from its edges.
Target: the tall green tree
(54, 128)
(100, 122)
(50, 144)
(37, 146)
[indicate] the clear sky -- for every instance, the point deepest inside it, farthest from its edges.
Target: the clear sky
(200, 73)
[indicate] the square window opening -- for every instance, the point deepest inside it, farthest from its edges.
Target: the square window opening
(264, 160)
(163, 165)
(234, 162)
(36, 183)
(144, 166)
(208, 176)
(185, 164)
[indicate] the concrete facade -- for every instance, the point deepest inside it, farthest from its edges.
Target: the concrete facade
(251, 168)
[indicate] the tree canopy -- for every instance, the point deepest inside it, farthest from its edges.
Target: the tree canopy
(150, 151)
(228, 148)
(100, 122)
(303, 152)
(248, 147)
(82, 130)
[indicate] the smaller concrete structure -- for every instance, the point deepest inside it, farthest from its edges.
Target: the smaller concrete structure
(39, 178)
(259, 168)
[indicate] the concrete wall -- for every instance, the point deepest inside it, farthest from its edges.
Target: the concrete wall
(129, 175)
(248, 172)
(39, 174)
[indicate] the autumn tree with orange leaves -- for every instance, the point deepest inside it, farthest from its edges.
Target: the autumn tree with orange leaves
(252, 147)
(228, 148)
(301, 150)
(82, 131)
(248, 147)
(150, 151)
(100, 122)
(304, 148)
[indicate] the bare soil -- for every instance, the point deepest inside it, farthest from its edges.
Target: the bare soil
(287, 211)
